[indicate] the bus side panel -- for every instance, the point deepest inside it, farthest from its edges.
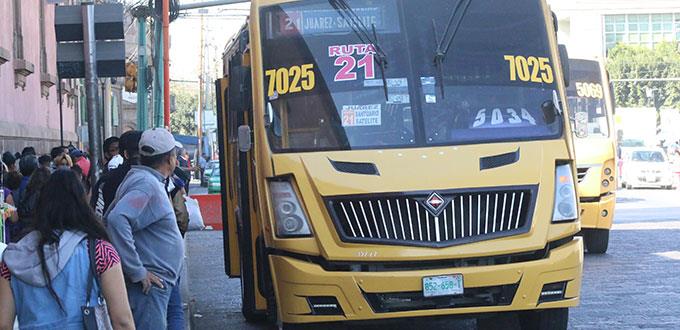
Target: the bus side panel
(229, 231)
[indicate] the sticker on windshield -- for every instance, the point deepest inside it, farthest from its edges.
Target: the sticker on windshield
(291, 80)
(530, 69)
(428, 84)
(361, 115)
(495, 118)
(397, 89)
(351, 59)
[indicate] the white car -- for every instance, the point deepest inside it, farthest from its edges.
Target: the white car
(646, 167)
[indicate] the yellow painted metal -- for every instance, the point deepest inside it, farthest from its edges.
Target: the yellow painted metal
(296, 279)
(229, 210)
(598, 153)
(422, 169)
(592, 216)
(316, 177)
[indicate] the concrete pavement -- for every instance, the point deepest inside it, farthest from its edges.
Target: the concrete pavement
(633, 286)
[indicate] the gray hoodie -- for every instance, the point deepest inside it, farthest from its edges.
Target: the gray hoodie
(142, 225)
(23, 261)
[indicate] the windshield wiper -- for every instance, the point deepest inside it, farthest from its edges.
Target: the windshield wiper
(444, 44)
(362, 32)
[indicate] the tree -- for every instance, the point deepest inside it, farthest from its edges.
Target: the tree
(183, 118)
(627, 61)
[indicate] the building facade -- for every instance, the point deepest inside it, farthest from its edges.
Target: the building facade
(590, 27)
(29, 100)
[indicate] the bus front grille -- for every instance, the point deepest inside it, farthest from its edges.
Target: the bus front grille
(410, 218)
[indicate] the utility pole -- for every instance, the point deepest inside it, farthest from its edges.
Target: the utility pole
(201, 94)
(166, 63)
(106, 97)
(142, 113)
(91, 88)
(158, 70)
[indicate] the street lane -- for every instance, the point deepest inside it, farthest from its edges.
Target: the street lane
(633, 286)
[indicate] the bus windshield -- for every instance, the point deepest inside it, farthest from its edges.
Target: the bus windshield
(361, 74)
(586, 94)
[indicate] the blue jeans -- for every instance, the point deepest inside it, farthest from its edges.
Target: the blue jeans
(175, 309)
(150, 311)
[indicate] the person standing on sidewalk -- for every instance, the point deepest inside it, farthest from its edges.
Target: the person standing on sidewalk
(47, 290)
(110, 150)
(142, 225)
(104, 191)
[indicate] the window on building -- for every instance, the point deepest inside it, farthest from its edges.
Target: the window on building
(43, 47)
(641, 29)
(114, 110)
(18, 36)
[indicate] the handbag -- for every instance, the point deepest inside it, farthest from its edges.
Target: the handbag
(95, 317)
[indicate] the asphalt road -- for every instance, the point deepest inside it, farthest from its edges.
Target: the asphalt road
(635, 285)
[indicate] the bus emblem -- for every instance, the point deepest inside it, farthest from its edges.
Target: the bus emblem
(435, 203)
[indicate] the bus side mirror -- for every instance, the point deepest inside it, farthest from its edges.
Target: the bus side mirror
(564, 60)
(244, 141)
(581, 124)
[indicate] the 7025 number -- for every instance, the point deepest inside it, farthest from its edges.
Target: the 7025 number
(295, 79)
(530, 69)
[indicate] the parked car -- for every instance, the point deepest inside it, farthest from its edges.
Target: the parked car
(214, 182)
(646, 167)
(208, 171)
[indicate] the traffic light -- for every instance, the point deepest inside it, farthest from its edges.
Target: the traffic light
(131, 77)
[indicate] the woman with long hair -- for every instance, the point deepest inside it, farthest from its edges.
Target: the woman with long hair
(28, 201)
(45, 275)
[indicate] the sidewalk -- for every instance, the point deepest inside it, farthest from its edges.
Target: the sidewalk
(214, 299)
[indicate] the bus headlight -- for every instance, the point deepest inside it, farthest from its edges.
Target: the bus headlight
(288, 213)
(607, 171)
(565, 195)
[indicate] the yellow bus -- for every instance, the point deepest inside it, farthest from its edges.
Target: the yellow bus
(591, 99)
(395, 159)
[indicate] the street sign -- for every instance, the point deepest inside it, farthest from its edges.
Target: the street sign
(108, 22)
(110, 59)
(108, 31)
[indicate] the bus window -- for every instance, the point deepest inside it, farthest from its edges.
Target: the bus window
(330, 85)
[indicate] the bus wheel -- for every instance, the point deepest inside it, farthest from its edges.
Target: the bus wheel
(553, 319)
(596, 240)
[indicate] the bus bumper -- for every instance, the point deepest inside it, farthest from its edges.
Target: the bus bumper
(362, 296)
(598, 214)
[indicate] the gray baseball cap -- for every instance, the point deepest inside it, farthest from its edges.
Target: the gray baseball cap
(157, 141)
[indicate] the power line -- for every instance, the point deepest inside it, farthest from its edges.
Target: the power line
(643, 79)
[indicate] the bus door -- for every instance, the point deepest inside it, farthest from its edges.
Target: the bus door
(242, 224)
(226, 148)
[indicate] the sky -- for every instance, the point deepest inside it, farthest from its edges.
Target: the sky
(221, 23)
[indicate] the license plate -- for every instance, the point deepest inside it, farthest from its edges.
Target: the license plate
(446, 285)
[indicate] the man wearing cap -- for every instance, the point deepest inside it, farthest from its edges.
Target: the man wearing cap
(142, 226)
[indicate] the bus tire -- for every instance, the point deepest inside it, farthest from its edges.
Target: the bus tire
(552, 319)
(596, 240)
